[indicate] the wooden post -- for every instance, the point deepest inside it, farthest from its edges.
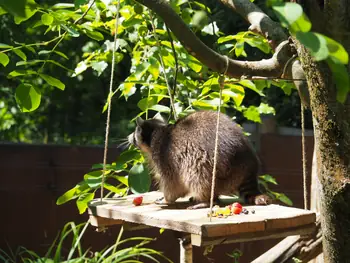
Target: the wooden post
(185, 250)
(315, 196)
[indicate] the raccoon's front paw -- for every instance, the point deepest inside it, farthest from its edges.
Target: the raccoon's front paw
(262, 200)
(199, 205)
(160, 201)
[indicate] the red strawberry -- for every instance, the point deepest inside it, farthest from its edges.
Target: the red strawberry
(237, 205)
(236, 210)
(137, 200)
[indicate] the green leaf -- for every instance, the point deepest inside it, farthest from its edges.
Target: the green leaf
(2, 11)
(128, 156)
(252, 114)
(250, 85)
(141, 69)
(94, 35)
(99, 66)
(341, 78)
(147, 103)
(83, 200)
(15, 8)
(30, 9)
(53, 81)
(160, 108)
(20, 72)
(93, 179)
(131, 21)
(283, 198)
(20, 53)
(71, 31)
(46, 52)
(154, 67)
(28, 97)
(336, 50)
(199, 19)
(78, 3)
(291, 16)
(62, 6)
(46, 19)
(226, 39)
(316, 43)
(268, 178)
(139, 179)
(265, 109)
(67, 196)
(194, 64)
(5, 46)
(122, 179)
(4, 59)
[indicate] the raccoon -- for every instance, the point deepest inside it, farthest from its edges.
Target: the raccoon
(181, 157)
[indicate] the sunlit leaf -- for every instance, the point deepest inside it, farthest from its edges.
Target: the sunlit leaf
(147, 103)
(20, 72)
(341, 78)
(20, 53)
(252, 114)
(99, 66)
(46, 19)
(67, 196)
(139, 179)
(5, 46)
(53, 81)
(154, 67)
(28, 97)
(316, 43)
(160, 108)
(29, 10)
(94, 35)
(268, 178)
(4, 59)
(83, 200)
(71, 31)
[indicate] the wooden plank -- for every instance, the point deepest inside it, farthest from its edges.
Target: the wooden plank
(102, 222)
(264, 220)
(198, 240)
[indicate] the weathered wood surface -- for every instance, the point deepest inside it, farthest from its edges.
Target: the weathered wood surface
(266, 221)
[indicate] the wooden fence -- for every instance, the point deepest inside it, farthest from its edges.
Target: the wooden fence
(33, 176)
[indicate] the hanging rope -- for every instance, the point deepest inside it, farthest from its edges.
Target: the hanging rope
(109, 101)
(221, 87)
(303, 145)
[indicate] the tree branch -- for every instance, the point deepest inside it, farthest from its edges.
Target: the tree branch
(272, 67)
(260, 22)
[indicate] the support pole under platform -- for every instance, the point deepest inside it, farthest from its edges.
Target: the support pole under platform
(185, 250)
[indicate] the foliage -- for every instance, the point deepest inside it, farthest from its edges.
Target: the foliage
(321, 47)
(160, 67)
(76, 253)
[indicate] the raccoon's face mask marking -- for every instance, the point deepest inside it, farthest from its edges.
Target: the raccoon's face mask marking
(142, 136)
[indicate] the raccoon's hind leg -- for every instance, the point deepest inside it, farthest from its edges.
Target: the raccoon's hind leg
(202, 204)
(251, 194)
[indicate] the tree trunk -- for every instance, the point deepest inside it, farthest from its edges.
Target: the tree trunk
(331, 129)
(331, 121)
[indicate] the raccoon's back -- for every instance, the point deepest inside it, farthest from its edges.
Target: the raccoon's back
(194, 135)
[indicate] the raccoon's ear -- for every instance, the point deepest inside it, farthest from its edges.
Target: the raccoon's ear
(159, 117)
(139, 121)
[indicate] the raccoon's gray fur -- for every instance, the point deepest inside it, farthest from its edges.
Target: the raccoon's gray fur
(181, 157)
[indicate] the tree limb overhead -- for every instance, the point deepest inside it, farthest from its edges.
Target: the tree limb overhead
(272, 67)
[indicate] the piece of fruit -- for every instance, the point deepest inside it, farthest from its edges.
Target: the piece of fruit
(237, 205)
(137, 200)
(236, 210)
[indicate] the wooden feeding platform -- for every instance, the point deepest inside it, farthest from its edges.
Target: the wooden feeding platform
(272, 221)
